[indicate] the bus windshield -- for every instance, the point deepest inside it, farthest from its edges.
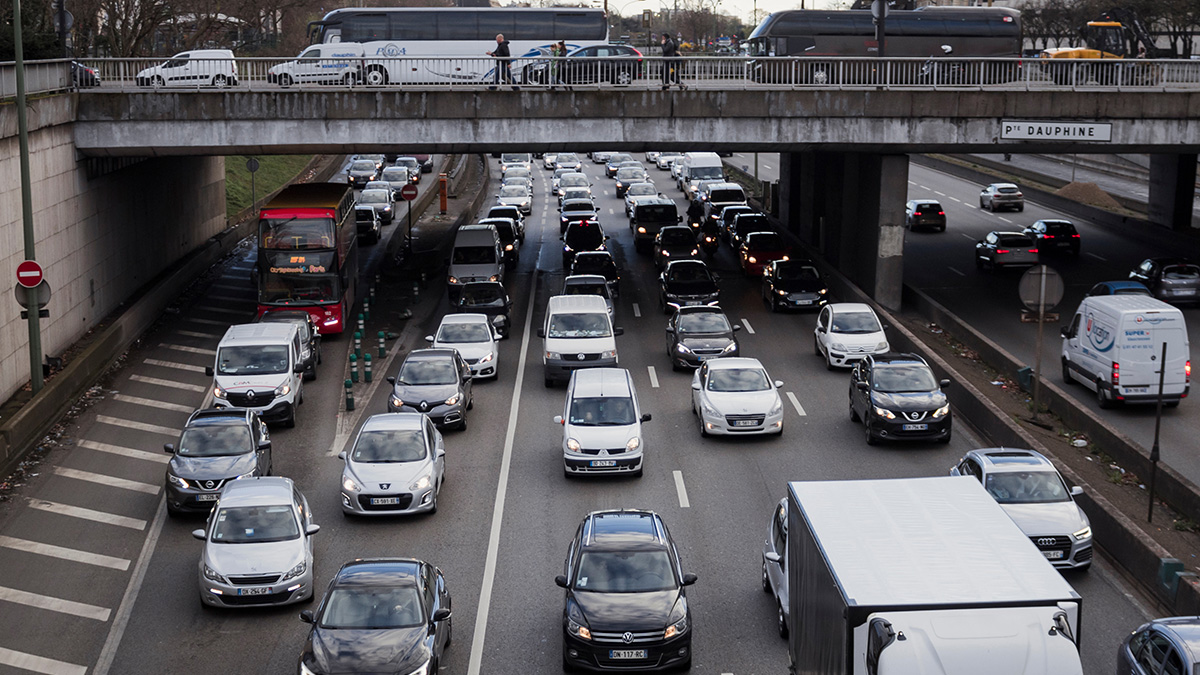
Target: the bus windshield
(304, 289)
(292, 234)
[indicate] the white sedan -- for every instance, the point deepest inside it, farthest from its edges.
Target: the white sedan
(638, 190)
(735, 396)
(846, 333)
(475, 339)
(515, 195)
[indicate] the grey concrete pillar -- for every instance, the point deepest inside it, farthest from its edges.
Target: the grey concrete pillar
(1172, 190)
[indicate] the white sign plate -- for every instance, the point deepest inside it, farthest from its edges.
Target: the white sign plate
(1019, 130)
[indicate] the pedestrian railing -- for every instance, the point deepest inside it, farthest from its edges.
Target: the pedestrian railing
(41, 77)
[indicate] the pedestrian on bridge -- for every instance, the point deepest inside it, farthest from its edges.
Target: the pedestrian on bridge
(503, 62)
(671, 64)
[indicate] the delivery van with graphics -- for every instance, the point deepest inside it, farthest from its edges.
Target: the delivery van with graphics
(1114, 345)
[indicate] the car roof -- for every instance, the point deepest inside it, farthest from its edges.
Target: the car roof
(654, 200)
(566, 303)
(259, 333)
(212, 417)
(1003, 185)
(849, 307)
(699, 309)
(464, 317)
(593, 382)
(896, 357)
(583, 279)
(1008, 233)
(730, 362)
(1185, 628)
(617, 530)
(432, 353)
(379, 572)
(686, 263)
(284, 316)
(396, 420)
(257, 491)
(721, 185)
(1011, 459)
(1115, 285)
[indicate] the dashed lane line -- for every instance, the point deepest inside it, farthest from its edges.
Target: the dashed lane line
(964, 234)
(63, 553)
(1004, 219)
(138, 426)
(88, 514)
(922, 187)
(196, 334)
(53, 604)
(153, 403)
(956, 271)
(190, 350)
(681, 490)
(796, 404)
(132, 453)
(1100, 258)
(159, 382)
(653, 376)
(956, 199)
(174, 364)
(637, 311)
(749, 328)
(940, 194)
(39, 664)
(111, 481)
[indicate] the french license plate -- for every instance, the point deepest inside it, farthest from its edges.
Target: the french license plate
(603, 462)
(1136, 390)
(1185, 291)
(1053, 555)
(690, 303)
(915, 427)
(261, 590)
(209, 497)
(745, 423)
(627, 654)
(384, 501)
(705, 357)
(803, 302)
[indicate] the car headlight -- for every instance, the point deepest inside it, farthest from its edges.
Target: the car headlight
(177, 481)
(777, 408)
(666, 253)
(508, 247)
(453, 279)
(1082, 534)
(682, 348)
(213, 575)
(677, 628)
(784, 258)
(729, 348)
(572, 445)
(837, 346)
(641, 230)
(610, 354)
(453, 400)
(349, 485)
(283, 389)
(751, 260)
(882, 346)
(942, 411)
(250, 474)
(633, 444)
(487, 358)
(494, 277)
(884, 412)
(300, 568)
(553, 356)
(578, 629)
(397, 402)
(695, 251)
(780, 291)
(709, 410)
(218, 392)
(421, 483)
(823, 291)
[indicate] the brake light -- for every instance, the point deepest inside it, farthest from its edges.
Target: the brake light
(1033, 250)
(941, 213)
(1002, 250)
(1187, 370)
(1074, 236)
(1047, 236)
(1116, 374)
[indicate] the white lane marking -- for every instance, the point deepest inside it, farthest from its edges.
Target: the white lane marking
(957, 199)
(637, 311)
(207, 322)
(190, 350)
(152, 403)
(922, 187)
(956, 271)
(1004, 219)
(139, 426)
(767, 166)
(133, 453)
(964, 234)
(1101, 259)
(39, 664)
(611, 211)
(198, 388)
(681, 490)
(53, 604)
(749, 328)
(796, 404)
(125, 609)
(88, 514)
(912, 182)
(940, 194)
(174, 364)
(64, 553)
(653, 376)
(111, 481)
(493, 551)
(196, 334)
(220, 310)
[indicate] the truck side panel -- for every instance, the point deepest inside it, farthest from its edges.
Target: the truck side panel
(818, 643)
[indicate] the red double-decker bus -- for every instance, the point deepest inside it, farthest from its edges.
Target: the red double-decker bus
(308, 253)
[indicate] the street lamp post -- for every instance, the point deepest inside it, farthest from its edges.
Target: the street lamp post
(35, 330)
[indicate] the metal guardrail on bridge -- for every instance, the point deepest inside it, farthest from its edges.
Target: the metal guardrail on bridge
(41, 77)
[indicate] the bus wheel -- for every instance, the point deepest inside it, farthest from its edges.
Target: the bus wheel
(376, 76)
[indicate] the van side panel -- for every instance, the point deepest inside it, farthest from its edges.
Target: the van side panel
(1141, 343)
(819, 637)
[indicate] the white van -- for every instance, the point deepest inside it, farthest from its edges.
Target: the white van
(331, 63)
(199, 67)
(1113, 346)
(577, 333)
(260, 366)
(477, 256)
(698, 166)
(602, 423)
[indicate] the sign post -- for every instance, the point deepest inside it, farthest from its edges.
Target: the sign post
(408, 193)
(1154, 453)
(252, 167)
(1041, 288)
(879, 10)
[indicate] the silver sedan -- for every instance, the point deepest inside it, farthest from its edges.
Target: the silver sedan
(396, 466)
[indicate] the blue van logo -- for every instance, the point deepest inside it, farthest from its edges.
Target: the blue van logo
(1101, 338)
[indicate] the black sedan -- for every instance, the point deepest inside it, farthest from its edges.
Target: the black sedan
(1169, 279)
(793, 284)
(897, 397)
(617, 64)
(697, 334)
(381, 615)
(1054, 236)
(685, 283)
(490, 298)
(599, 262)
(676, 242)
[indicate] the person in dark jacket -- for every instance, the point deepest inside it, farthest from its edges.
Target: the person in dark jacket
(503, 62)
(695, 213)
(671, 64)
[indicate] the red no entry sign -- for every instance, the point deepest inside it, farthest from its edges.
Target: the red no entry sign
(408, 192)
(29, 274)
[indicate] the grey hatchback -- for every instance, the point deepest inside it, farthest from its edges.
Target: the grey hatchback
(436, 382)
(1168, 645)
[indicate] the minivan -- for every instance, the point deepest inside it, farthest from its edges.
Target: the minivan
(199, 67)
(719, 195)
(698, 166)
(602, 423)
(332, 63)
(1114, 344)
(260, 366)
(577, 334)
(650, 215)
(476, 257)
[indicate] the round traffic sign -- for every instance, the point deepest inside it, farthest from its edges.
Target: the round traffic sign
(252, 165)
(29, 274)
(408, 192)
(1042, 287)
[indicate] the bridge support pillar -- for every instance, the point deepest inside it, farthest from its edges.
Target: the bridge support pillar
(1172, 190)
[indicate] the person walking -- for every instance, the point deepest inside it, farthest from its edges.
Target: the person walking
(669, 52)
(557, 51)
(503, 62)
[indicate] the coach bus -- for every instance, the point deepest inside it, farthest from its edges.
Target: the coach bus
(926, 32)
(456, 38)
(308, 253)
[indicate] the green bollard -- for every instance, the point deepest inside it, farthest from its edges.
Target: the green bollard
(353, 368)
(349, 395)
(366, 310)
(361, 324)
(367, 368)
(382, 345)
(358, 343)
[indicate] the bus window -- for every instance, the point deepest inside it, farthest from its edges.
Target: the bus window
(295, 233)
(494, 23)
(459, 26)
(413, 26)
(581, 26)
(365, 27)
(535, 26)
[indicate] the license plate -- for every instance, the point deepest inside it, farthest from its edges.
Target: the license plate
(1053, 555)
(603, 462)
(915, 427)
(1135, 390)
(211, 497)
(803, 302)
(1185, 291)
(627, 653)
(705, 357)
(690, 303)
(384, 501)
(262, 590)
(745, 423)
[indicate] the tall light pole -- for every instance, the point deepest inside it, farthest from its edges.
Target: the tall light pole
(35, 331)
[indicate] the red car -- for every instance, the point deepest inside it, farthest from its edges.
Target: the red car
(760, 249)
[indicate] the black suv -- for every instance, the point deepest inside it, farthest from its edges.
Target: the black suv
(626, 607)
(217, 445)
(581, 236)
(897, 397)
(1055, 236)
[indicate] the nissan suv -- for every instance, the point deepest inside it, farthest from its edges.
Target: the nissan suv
(897, 397)
(217, 445)
(626, 605)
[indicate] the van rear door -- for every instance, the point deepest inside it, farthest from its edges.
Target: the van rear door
(1141, 347)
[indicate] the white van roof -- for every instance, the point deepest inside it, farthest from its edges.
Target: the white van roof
(258, 334)
(476, 233)
(577, 303)
(1123, 304)
(595, 382)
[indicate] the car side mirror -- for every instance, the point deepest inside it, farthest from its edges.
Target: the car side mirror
(670, 329)
(208, 370)
(541, 332)
(198, 534)
(862, 386)
(646, 417)
(820, 329)
(342, 455)
(1076, 490)
(947, 49)
(618, 331)
(307, 616)
(561, 580)
(773, 557)
(558, 419)
(737, 327)
(299, 368)
(1064, 332)
(778, 383)
(441, 614)
(169, 448)
(689, 579)
(390, 380)
(429, 338)
(887, 327)
(312, 529)
(943, 383)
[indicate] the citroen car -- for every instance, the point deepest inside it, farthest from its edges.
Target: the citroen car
(396, 466)
(897, 397)
(846, 332)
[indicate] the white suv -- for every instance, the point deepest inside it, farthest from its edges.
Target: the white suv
(602, 423)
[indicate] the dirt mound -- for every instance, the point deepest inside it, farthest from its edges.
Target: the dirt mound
(1088, 193)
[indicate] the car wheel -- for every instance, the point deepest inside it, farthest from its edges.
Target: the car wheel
(433, 506)
(462, 426)
(871, 439)
(853, 413)
(471, 403)
(285, 80)
(311, 373)
(703, 431)
(1066, 372)
(622, 77)
(816, 346)
(946, 439)
(829, 363)
(1020, 208)
(220, 81)
(157, 81)
(766, 580)
(173, 512)
(290, 422)
(781, 621)
(1102, 400)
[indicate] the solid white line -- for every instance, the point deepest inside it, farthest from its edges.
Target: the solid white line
(151, 403)
(53, 604)
(956, 199)
(191, 350)
(967, 236)
(681, 490)
(940, 194)
(1004, 219)
(653, 376)
(88, 514)
(796, 405)
(173, 364)
(133, 453)
(196, 334)
(52, 551)
(208, 322)
(140, 426)
(922, 187)
(125, 609)
(1097, 257)
(111, 481)
(637, 311)
(493, 552)
(39, 664)
(169, 383)
(956, 271)
(749, 328)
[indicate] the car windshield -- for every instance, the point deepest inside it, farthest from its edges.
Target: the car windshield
(599, 288)
(518, 181)
(676, 236)
(567, 158)
(252, 360)
(589, 325)
(1059, 227)
(1130, 290)
(899, 378)
(255, 524)
(620, 157)
(464, 332)
(1181, 272)
(584, 236)
(517, 172)
(703, 322)
(372, 607)
(629, 173)
(738, 379)
(364, 214)
(726, 195)
(573, 180)
(363, 165)
(729, 212)
(642, 189)
(594, 264)
(474, 255)
(1026, 487)
(410, 162)
(514, 157)
(927, 206)
(765, 241)
(706, 173)
(656, 213)
(374, 197)
(798, 273)
(395, 174)
(386, 446)
(688, 273)
(855, 323)
(482, 295)
(428, 371)
(215, 441)
(504, 212)
(602, 411)
(754, 223)
(513, 191)
(625, 572)
(575, 193)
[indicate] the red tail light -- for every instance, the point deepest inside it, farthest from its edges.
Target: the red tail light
(1074, 236)
(941, 213)
(1187, 370)
(1033, 250)
(1002, 250)
(1116, 374)
(1047, 236)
